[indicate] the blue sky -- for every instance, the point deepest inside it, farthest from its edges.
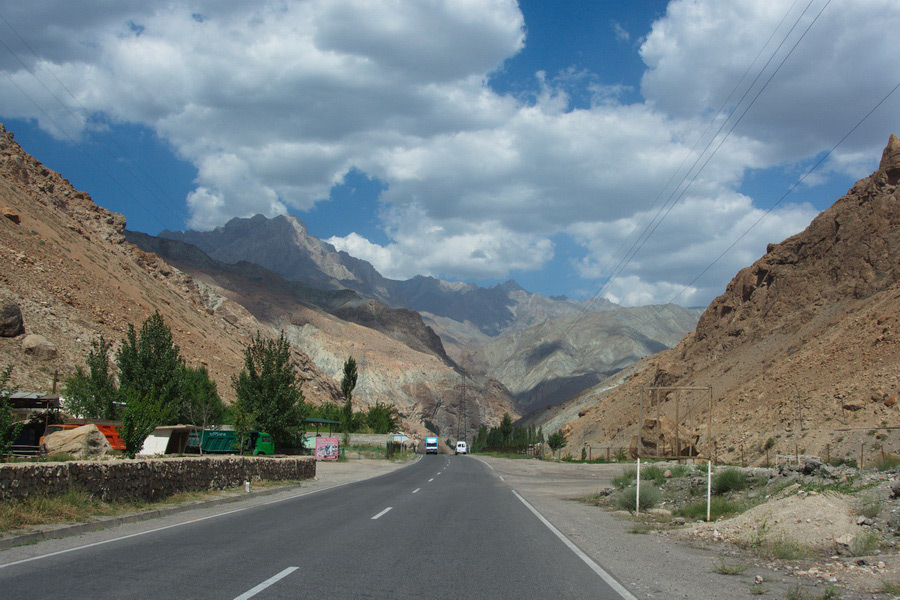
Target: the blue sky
(467, 140)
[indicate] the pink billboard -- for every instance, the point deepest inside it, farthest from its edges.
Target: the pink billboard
(326, 448)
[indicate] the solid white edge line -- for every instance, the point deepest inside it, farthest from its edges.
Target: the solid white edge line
(484, 463)
(254, 591)
(609, 579)
(382, 513)
(215, 516)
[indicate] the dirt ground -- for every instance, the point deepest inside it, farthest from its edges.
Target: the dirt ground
(695, 562)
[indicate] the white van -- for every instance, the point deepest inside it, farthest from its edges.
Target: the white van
(461, 448)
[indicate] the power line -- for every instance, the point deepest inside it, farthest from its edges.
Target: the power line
(172, 205)
(672, 200)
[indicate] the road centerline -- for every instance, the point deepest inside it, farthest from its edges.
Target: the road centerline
(268, 582)
(382, 513)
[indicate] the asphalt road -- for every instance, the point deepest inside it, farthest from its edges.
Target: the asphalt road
(443, 527)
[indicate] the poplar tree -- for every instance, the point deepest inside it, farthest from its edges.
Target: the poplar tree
(348, 383)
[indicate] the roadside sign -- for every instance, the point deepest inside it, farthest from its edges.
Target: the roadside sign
(326, 448)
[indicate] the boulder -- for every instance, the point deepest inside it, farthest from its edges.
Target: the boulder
(853, 405)
(12, 215)
(11, 321)
(39, 347)
(83, 441)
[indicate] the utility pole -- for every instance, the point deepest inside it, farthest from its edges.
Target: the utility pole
(465, 412)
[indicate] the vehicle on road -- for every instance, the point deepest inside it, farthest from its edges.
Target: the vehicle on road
(214, 441)
(431, 445)
(462, 448)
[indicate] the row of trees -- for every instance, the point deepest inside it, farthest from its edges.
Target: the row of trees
(512, 436)
(155, 386)
(380, 418)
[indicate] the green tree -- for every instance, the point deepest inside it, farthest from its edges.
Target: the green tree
(557, 441)
(330, 411)
(268, 389)
(141, 416)
(150, 366)
(93, 394)
(506, 429)
(200, 404)
(9, 429)
(348, 383)
(382, 418)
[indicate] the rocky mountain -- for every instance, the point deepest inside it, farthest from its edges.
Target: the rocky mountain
(801, 351)
(458, 311)
(403, 325)
(67, 268)
(548, 364)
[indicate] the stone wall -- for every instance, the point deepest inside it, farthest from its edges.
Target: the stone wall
(147, 479)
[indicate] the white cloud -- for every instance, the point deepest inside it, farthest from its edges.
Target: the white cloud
(274, 102)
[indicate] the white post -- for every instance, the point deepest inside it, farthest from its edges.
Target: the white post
(637, 488)
(708, 489)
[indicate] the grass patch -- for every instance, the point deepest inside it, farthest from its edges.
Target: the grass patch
(786, 549)
(74, 505)
(506, 455)
(624, 480)
(890, 587)
(725, 568)
(887, 462)
(719, 507)
(593, 499)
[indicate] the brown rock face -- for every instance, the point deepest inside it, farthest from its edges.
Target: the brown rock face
(848, 251)
(890, 161)
(803, 343)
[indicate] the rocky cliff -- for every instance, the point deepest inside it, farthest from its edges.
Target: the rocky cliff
(802, 348)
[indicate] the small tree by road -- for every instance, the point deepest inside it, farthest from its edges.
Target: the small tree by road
(348, 383)
(268, 390)
(141, 416)
(557, 441)
(93, 394)
(150, 365)
(201, 405)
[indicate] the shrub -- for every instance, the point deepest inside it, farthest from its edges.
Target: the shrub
(870, 506)
(718, 508)
(619, 455)
(653, 473)
(865, 543)
(729, 480)
(680, 470)
(650, 496)
(625, 479)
